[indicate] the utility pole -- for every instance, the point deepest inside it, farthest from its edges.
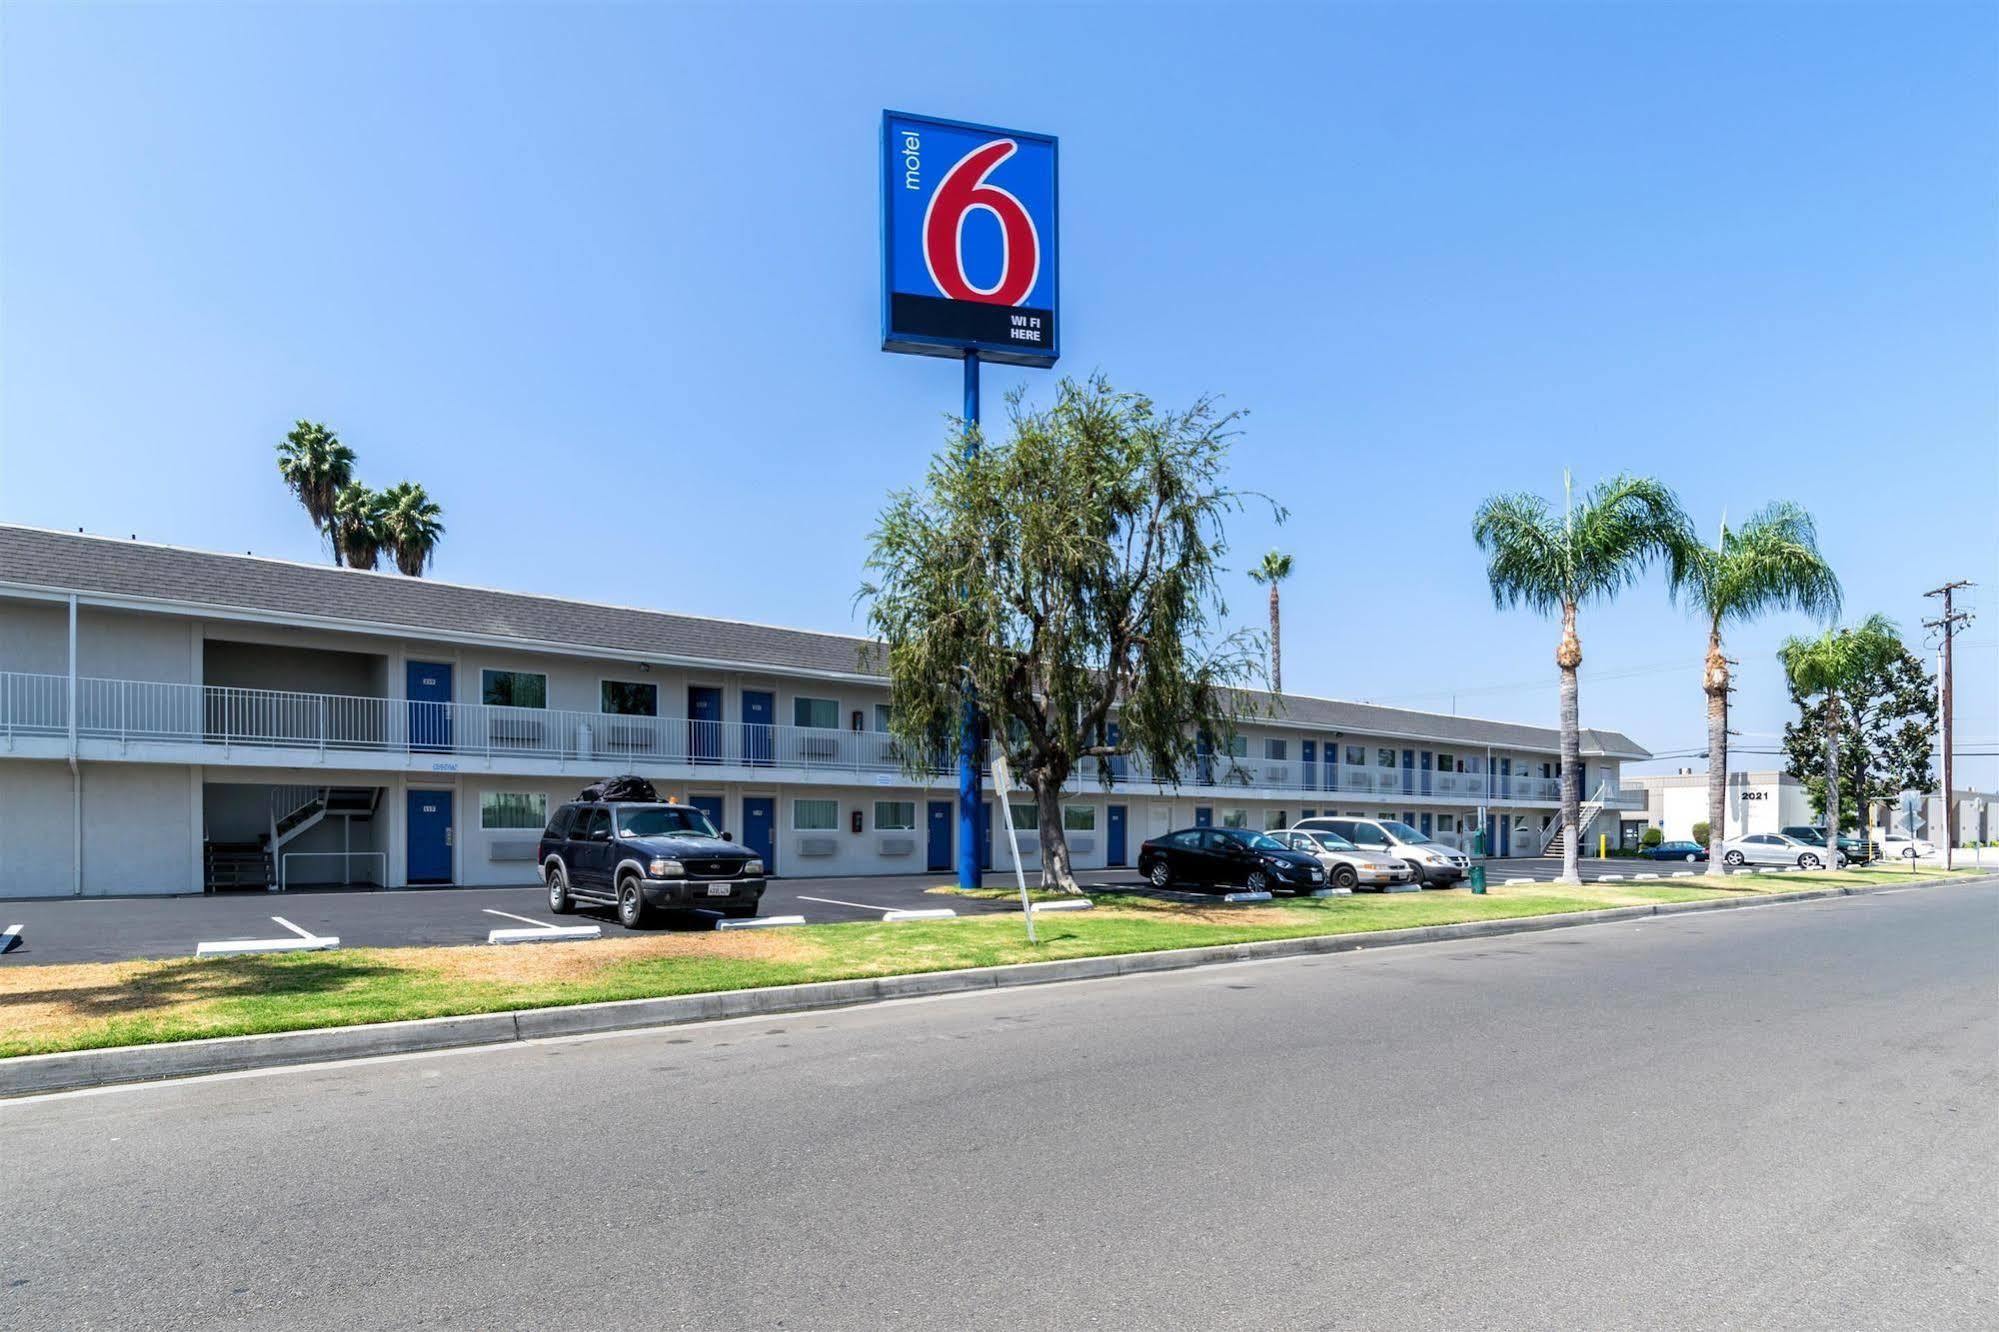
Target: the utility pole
(1947, 626)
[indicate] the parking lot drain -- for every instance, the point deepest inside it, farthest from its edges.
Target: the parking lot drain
(758, 922)
(303, 941)
(1245, 897)
(927, 913)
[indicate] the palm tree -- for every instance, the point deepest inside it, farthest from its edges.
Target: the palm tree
(1274, 570)
(411, 523)
(1827, 666)
(317, 466)
(360, 525)
(1596, 546)
(1771, 563)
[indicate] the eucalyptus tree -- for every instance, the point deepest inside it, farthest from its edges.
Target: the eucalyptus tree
(1828, 667)
(413, 523)
(316, 466)
(1557, 562)
(360, 525)
(1772, 562)
(1274, 569)
(1068, 575)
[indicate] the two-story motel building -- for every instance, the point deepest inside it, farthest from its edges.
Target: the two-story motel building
(177, 721)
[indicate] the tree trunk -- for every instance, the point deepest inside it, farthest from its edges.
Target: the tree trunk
(1056, 871)
(1276, 645)
(1569, 656)
(1715, 682)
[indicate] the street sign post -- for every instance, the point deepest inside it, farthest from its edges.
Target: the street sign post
(970, 269)
(1003, 783)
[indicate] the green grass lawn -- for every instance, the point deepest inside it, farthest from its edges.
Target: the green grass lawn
(84, 1006)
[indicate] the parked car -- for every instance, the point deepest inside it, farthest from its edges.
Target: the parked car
(642, 856)
(1776, 849)
(1347, 866)
(1687, 851)
(1435, 865)
(1901, 846)
(1856, 849)
(1228, 858)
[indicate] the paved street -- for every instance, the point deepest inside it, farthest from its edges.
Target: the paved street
(1779, 1117)
(118, 929)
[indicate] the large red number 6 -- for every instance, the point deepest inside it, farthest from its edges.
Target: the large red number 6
(963, 189)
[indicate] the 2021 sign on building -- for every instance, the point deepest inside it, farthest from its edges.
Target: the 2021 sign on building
(968, 241)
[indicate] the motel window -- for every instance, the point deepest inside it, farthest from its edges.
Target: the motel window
(823, 713)
(515, 810)
(626, 698)
(895, 815)
(1274, 819)
(1356, 755)
(881, 716)
(1276, 750)
(1443, 761)
(1235, 818)
(1026, 818)
(1384, 758)
(815, 815)
(1079, 818)
(1238, 746)
(513, 689)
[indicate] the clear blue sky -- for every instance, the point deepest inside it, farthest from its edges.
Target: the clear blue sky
(605, 280)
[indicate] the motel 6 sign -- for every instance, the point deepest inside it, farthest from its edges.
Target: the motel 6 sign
(968, 241)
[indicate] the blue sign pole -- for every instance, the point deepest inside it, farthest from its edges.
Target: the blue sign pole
(970, 844)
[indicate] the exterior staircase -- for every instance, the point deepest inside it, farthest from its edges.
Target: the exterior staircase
(298, 809)
(1592, 807)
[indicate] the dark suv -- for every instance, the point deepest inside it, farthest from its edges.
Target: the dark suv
(642, 856)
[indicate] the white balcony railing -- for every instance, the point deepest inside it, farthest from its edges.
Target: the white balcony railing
(138, 711)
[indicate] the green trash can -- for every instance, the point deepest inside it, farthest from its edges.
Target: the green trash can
(1478, 878)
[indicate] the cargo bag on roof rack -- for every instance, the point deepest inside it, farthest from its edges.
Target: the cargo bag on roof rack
(628, 787)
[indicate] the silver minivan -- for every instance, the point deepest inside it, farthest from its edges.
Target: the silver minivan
(1435, 865)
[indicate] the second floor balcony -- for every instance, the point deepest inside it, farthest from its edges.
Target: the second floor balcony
(217, 723)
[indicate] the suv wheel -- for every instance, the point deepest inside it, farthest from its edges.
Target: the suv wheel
(1161, 876)
(559, 900)
(631, 903)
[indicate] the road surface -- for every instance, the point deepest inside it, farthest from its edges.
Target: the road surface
(1777, 1117)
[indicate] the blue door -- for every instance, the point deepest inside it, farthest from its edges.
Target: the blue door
(986, 835)
(1204, 816)
(1408, 772)
(759, 737)
(1115, 853)
(1425, 827)
(704, 723)
(1492, 835)
(429, 836)
(937, 852)
(760, 829)
(712, 806)
(1308, 750)
(1424, 759)
(428, 685)
(1506, 836)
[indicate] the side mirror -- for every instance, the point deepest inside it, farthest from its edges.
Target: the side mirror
(726, 837)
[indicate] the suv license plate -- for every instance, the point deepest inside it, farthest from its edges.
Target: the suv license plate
(718, 890)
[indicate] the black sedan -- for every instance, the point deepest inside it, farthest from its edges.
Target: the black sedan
(1687, 851)
(1228, 858)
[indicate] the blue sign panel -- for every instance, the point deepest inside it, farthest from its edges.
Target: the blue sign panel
(968, 241)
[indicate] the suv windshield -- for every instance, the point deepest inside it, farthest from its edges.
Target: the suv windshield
(663, 822)
(1402, 832)
(1811, 835)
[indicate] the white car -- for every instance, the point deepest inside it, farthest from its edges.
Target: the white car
(1435, 865)
(1347, 866)
(1909, 848)
(1776, 849)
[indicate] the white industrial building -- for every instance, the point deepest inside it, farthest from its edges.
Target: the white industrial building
(1674, 802)
(180, 721)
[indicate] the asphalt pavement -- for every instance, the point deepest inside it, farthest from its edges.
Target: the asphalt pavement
(119, 929)
(1781, 1117)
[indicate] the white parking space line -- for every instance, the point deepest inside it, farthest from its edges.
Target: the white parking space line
(301, 941)
(539, 931)
(834, 901)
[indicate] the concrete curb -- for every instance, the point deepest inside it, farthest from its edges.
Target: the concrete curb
(29, 1075)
